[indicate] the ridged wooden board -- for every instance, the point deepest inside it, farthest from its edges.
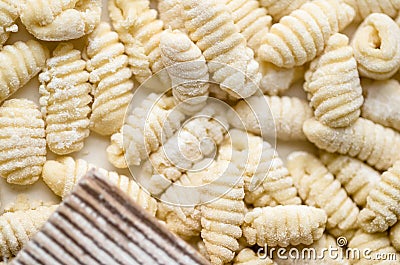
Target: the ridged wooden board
(98, 224)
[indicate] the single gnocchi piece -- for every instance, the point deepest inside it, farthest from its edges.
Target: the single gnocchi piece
(357, 178)
(231, 63)
(317, 187)
(284, 225)
(17, 228)
(8, 15)
(375, 246)
(187, 69)
(140, 30)
(23, 143)
(394, 236)
(383, 203)
(280, 8)
(222, 211)
(376, 45)
(26, 59)
(382, 99)
(65, 100)
(248, 257)
(333, 84)
(264, 173)
(366, 7)
(301, 36)
(59, 20)
(365, 140)
(171, 14)
(276, 80)
(283, 117)
(111, 79)
(63, 174)
(145, 129)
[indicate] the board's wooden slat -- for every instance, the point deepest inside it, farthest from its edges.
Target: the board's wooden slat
(99, 224)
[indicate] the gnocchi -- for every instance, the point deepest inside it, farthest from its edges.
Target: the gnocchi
(248, 257)
(8, 15)
(280, 8)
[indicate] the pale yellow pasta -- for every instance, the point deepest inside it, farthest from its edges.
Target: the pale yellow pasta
(26, 59)
(376, 45)
(144, 131)
(365, 140)
(216, 92)
(284, 119)
(142, 30)
(276, 80)
(65, 100)
(375, 244)
(317, 187)
(395, 236)
(8, 15)
(284, 225)
(17, 228)
(383, 204)
(365, 7)
(231, 63)
(357, 178)
(279, 8)
(222, 217)
(58, 20)
(63, 174)
(248, 257)
(301, 36)
(111, 77)
(187, 69)
(267, 181)
(333, 84)
(22, 141)
(382, 99)
(171, 14)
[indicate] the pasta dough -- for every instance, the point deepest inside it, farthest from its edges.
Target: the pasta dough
(265, 175)
(17, 228)
(284, 119)
(109, 72)
(171, 14)
(140, 30)
(58, 20)
(187, 69)
(382, 99)
(284, 225)
(144, 131)
(8, 15)
(279, 8)
(222, 212)
(357, 178)
(63, 174)
(301, 36)
(23, 144)
(317, 187)
(333, 84)
(365, 7)
(365, 140)
(276, 80)
(231, 63)
(26, 60)
(65, 100)
(383, 204)
(248, 257)
(376, 45)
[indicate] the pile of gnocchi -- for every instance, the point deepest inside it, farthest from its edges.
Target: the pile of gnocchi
(216, 78)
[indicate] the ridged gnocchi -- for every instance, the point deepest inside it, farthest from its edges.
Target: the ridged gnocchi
(187, 69)
(26, 60)
(23, 143)
(111, 79)
(317, 187)
(383, 203)
(65, 100)
(301, 36)
(58, 20)
(284, 225)
(376, 45)
(365, 7)
(394, 236)
(231, 63)
(365, 140)
(63, 174)
(280, 8)
(8, 15)
(170, 12)
(248, 257)
(333, 84)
